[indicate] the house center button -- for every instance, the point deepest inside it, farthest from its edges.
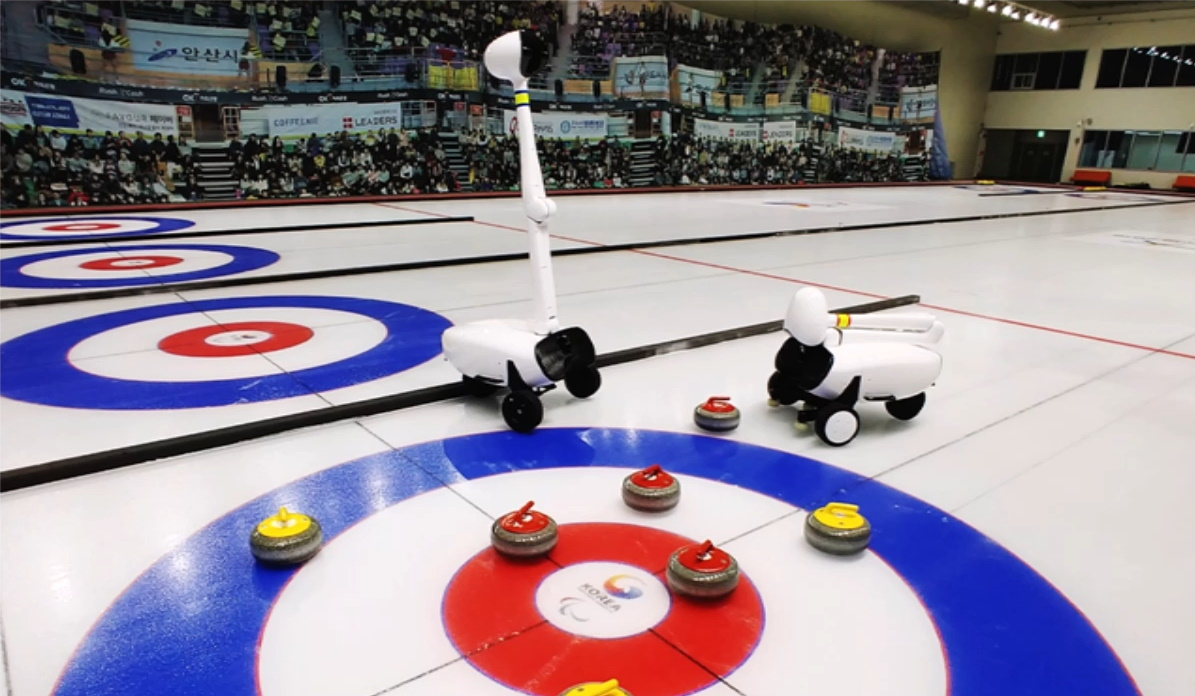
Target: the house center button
(603, 600)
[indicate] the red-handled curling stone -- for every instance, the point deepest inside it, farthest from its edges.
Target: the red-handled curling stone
(524, 533)
(717, 414)
(702, 571)
(651, 490)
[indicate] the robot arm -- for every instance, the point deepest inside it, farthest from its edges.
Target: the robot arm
(515, 57)
(809, 321)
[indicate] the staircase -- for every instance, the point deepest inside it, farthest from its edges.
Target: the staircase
(333, 50)
(451, 142)
(643, 163)
(213, 172)
(796, 69)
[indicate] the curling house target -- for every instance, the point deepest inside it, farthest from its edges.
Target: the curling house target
(130, 266)
(231, 627)
(90, 228)
(210, 352)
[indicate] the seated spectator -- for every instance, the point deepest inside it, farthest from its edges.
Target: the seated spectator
(64, 169)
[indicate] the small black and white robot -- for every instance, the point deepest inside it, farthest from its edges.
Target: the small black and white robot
(831, 362)
(526, 357)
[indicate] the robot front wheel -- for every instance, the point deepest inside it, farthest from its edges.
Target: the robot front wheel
(522, 409)
(836, 424)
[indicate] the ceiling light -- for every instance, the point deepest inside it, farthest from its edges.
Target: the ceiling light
(1015, 14)
(978, 3)
(1054, 25)
(1007, 11)
(992, 8)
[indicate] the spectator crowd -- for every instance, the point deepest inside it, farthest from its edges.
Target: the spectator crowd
(51, 169)
(387, 163)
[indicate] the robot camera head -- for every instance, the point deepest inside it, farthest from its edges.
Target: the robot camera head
(516, 56)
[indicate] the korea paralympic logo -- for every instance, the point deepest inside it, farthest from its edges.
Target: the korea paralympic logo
(623, 587)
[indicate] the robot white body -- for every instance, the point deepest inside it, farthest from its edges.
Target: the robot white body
(833, 361)
(528, 357)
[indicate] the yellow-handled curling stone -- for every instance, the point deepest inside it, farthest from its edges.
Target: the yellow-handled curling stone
(606, 688)
(524, 533)
(288, 538)
(651, 490)
(837, 528)
(701, 571)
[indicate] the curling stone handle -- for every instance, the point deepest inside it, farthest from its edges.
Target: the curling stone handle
(841, 507)
(606, 688)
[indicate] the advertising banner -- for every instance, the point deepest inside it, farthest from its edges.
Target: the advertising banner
(178, 48)
(560, 125)
(691, 83)
(780, 131)
(726, 131)
(871, 141)
(919, 103)
(324, 119)
(74, 115)
(645, 77)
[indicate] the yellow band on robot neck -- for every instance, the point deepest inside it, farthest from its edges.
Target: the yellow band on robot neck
(522, 98)
(843, 321)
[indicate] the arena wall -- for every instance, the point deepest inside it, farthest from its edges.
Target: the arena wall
(1147, 108)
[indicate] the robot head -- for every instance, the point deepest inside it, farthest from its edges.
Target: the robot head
(516, 56)
(807, 317)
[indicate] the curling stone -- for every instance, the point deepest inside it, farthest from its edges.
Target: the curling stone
(287, 538)
(651, 490)
(837, 528)
(524, 533)
(702, 571)
(717, 414)
(606, 688)
(985, 182)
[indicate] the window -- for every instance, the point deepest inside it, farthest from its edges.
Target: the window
(1037, 71)
(1161, 151)
(1147, 66)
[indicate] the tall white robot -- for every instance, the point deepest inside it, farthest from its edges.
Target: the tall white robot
(833, 361)
(527, 357)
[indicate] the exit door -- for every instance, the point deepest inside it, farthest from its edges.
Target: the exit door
(1038, 162)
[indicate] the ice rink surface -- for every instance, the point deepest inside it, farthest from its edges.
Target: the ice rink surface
(1050, 458)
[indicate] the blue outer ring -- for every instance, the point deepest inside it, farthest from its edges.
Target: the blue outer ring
(163, 225)
(244, 259)
(1005, 629)
(36, 368)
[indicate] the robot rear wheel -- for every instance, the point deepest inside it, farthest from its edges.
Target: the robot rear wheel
(522, 411)
(907, 408)
(583, 382)
(836, 424)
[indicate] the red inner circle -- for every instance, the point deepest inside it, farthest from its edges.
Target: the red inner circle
(193, 343)
(715, 561)
(81, 227)
(122, 263)
(491, 617)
